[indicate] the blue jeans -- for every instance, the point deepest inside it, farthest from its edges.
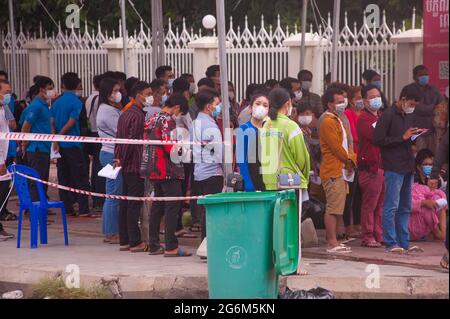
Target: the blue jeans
(110, 219)
(397, 207)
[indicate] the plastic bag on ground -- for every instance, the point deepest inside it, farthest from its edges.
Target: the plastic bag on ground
(316, 293)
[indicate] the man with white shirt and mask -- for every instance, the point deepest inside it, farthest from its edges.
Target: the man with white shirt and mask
(5, 118)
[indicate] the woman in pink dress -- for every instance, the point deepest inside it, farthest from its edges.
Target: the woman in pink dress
(428, 214)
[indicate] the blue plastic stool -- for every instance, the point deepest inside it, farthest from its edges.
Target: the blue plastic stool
(38, 210)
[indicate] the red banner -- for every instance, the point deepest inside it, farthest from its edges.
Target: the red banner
(435, 41)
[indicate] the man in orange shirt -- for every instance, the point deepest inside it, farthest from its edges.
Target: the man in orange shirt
(338, 164)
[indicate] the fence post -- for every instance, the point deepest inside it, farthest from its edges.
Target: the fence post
(38, 58)
(116, 56)
(206, 53)
(313, 58)
(409, 54)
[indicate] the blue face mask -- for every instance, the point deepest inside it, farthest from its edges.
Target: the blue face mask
(171, 83)
(426, 169)
(376, 103)
(217, 111)
(164, 99)
(6, 99)
(424, 80)
(377, 83)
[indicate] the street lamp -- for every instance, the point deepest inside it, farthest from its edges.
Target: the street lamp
(209, 22)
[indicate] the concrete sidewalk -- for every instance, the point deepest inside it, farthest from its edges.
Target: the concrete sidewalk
(144, 276)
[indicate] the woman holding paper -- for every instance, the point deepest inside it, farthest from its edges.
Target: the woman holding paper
(428, 214)
(107, 119)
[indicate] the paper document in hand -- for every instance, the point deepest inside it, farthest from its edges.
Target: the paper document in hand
(414, 137)
(442, 203)
(109, 172)
(54, 155)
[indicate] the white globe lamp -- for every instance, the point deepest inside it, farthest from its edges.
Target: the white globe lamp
(209, 22)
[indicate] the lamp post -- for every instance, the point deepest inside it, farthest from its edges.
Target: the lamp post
(124, 37)
(336, 32)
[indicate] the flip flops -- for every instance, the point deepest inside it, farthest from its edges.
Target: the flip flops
(139, 248)
(160, 251)
(341, 249)
(444, 261)
(185, 234)
(415, 249)
(180, 253)
(396, 250)
(371, 244)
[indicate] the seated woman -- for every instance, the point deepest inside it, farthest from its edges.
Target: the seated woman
(428, 214)
(247, 148)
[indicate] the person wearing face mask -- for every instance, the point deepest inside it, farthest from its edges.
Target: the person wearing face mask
(166, 174)
(305, 77)
(208, 158)
(292, 85)
(129, 158)
(394, 134)
(338, 164)
(429, 206)
(65, 119)
(36, 119)
(374, 78)
(370, 169)
(430, 101)
(281, 132)
(7, 123)
(158, 98)
(356, 105)
(247, 147)
(106, 122)
(165, 73)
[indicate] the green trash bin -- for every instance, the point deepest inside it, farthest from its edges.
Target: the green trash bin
(252, 239)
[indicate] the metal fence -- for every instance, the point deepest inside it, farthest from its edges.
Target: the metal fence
(255, 54)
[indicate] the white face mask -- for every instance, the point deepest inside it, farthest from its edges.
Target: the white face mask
(346, 102)
(408, 109)
(305, 120)
(231, 95)
(306, 85)
(290, 110)
(118, 97)
(50, 94)
(148, 101)
(259, 112)
(298, 95)
(192, 88)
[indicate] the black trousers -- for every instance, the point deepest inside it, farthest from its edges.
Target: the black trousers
(129, 232)
(40, 162)
(4, 190)
(212, 185)
(353, 204)
(170, 211)
(97, 183)
(72, 172)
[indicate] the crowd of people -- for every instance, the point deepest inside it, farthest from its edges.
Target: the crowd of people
(379, 168)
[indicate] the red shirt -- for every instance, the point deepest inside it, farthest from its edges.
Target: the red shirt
(353, 120)
(369, 156)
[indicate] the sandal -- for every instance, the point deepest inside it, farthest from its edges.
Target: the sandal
(124, 248)
(371, 244)
(185, 234)
(141, 248)
(160, 251)
(195, 228)
(345, 239)
(8, 217)
(340, 249)
(444, 261)
(415, 249)
(396, 250)
(180, 253)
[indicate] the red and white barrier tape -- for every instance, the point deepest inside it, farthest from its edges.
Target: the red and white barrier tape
(119, 197)
(85, 139)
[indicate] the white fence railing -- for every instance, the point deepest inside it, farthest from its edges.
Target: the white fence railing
(254, 54)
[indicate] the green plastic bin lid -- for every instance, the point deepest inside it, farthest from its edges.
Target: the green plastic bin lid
(237, 197)
(285, 233)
